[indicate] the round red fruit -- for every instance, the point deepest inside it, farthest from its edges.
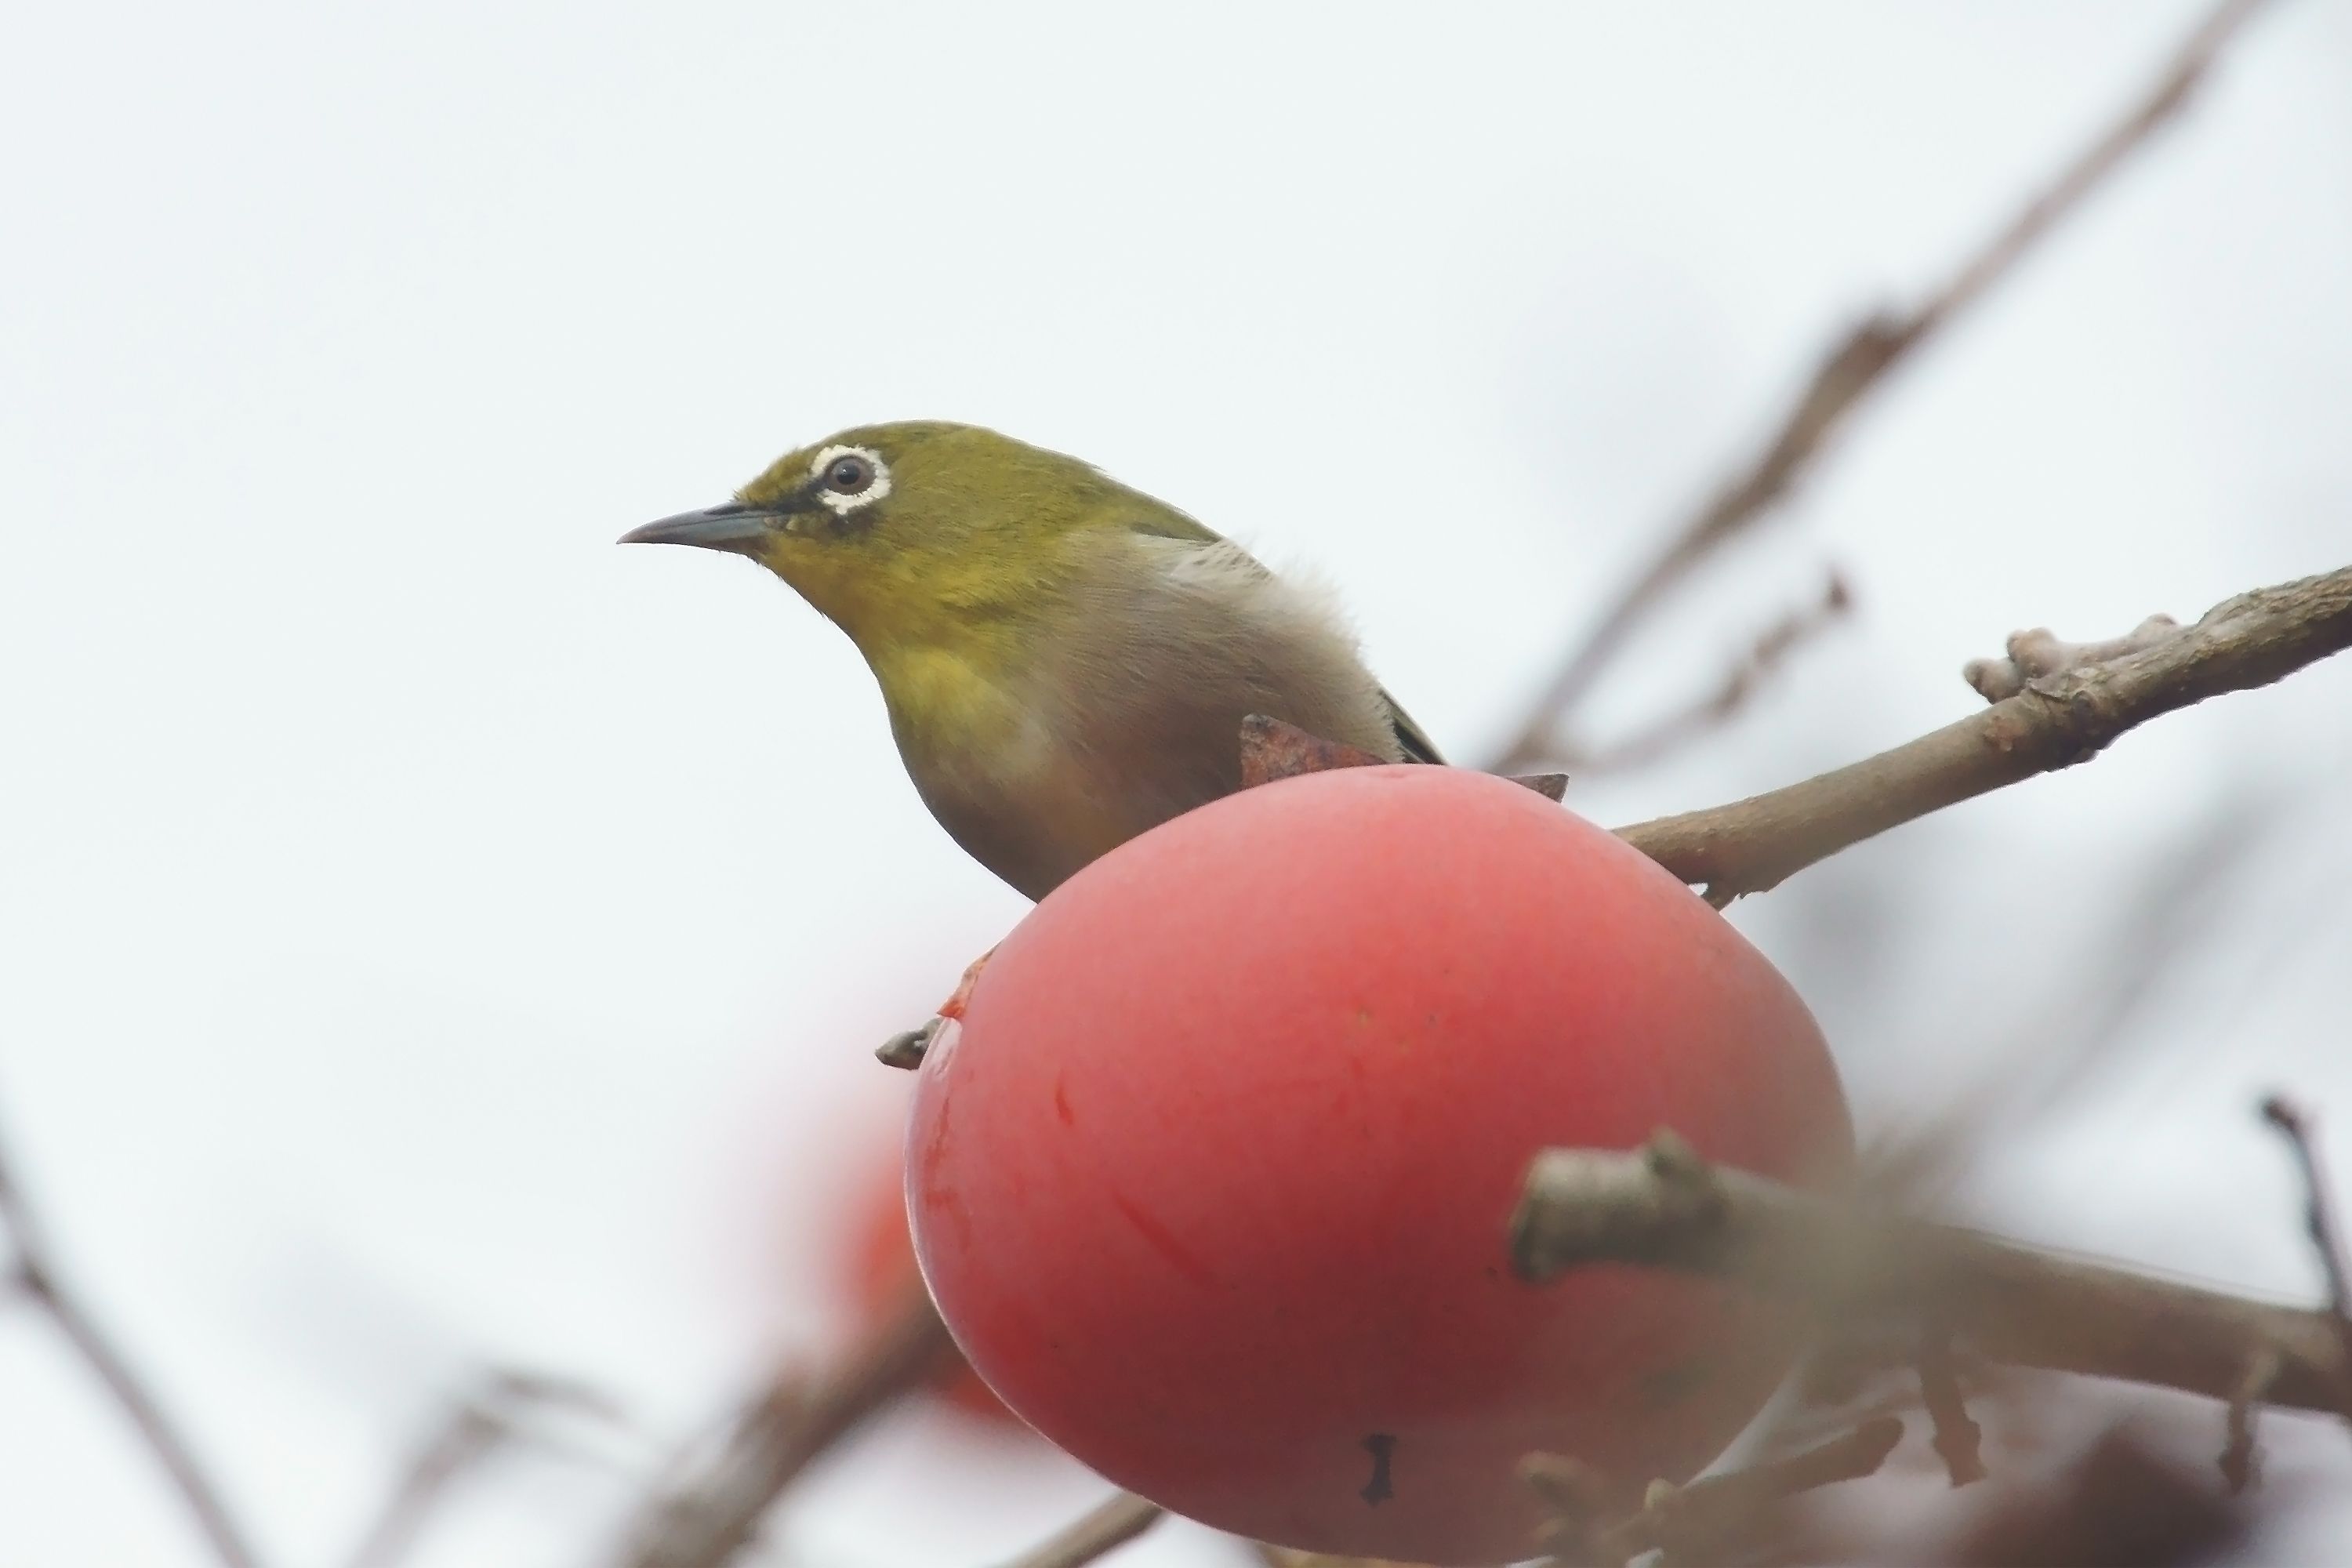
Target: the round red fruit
(882, 1280)
(1212, 1184)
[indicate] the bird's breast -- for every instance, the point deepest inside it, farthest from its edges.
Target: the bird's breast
(1119, 712)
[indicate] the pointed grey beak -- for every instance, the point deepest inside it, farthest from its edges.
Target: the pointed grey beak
(731, 526)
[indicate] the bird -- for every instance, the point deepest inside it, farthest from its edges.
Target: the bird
(1066, 660)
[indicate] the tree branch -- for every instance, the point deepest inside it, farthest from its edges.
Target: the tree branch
(1670, 731)
(492, 1414)
(2319, 1221)
(36, 1275)
(1700, 1517)
(1099, 1533)
(1960, 1441)
(2053, 722)
(1856, 366)
(1664, 1206)
(705, 1522)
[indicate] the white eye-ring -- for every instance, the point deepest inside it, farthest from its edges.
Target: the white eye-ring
(848, 477)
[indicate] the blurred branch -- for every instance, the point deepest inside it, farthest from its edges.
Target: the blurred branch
(2055, 721)
(2238, 1449)
(1664, 1206)
(2120, 1502)
(1960, 1441)
(1099, 1533)
(1672, 731)
(467, 1435)
(1284, 1557)
(36, 1276)
(489, 1416)
(1856, 366)
(715, 1514)
(2166, 921)
(1699, 1518)
(2319, 1218)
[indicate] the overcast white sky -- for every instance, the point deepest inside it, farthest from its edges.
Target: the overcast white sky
(433, 934)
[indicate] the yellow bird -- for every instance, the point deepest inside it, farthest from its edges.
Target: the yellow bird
(1066, 661)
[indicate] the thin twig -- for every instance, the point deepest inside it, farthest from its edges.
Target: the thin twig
(1267, 1556)
(1960, 1441)
(2319, 1218)
(704, 1522)
(37, 1274)
(489, 1415)
(1671, 732)
(1099, 1533)
(1576, 1504)
(2165, 922)
(1664, 1206)
(1700, 1517)
(1849, 372)
(468, 1435)
(2056, 721)
(2238, 1458)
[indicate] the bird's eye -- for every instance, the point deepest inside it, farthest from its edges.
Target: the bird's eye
(848, 478)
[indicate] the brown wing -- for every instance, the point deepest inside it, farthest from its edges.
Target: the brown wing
(1418, 746)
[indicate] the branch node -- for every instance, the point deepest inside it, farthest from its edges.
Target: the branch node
(2244, 642)
(1581, 1204)
(2041, 654)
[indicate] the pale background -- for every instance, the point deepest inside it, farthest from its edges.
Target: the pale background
(432, 935)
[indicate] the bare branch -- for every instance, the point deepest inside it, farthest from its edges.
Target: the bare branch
(487, 1417)
(1959, 1442)
(2166, 922)
(1284, 1557)
(37, 1274)
(1852, 369)
(1671, 732)
(2238, 1452)
(1099, 1533)
(2056, 721)
(1664, 1206)
(705, 1522)
(1699, 1518)
(2318, 1215)
(469, 1433)
(2041, 652)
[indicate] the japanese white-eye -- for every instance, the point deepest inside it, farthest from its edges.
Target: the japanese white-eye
(1066, 661)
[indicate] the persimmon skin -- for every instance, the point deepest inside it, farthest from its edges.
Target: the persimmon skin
(1212, 1182)
(882, 1277)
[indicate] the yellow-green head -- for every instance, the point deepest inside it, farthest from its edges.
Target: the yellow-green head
(914, 531)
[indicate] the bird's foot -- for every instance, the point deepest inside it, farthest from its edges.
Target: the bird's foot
(1273, 750)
